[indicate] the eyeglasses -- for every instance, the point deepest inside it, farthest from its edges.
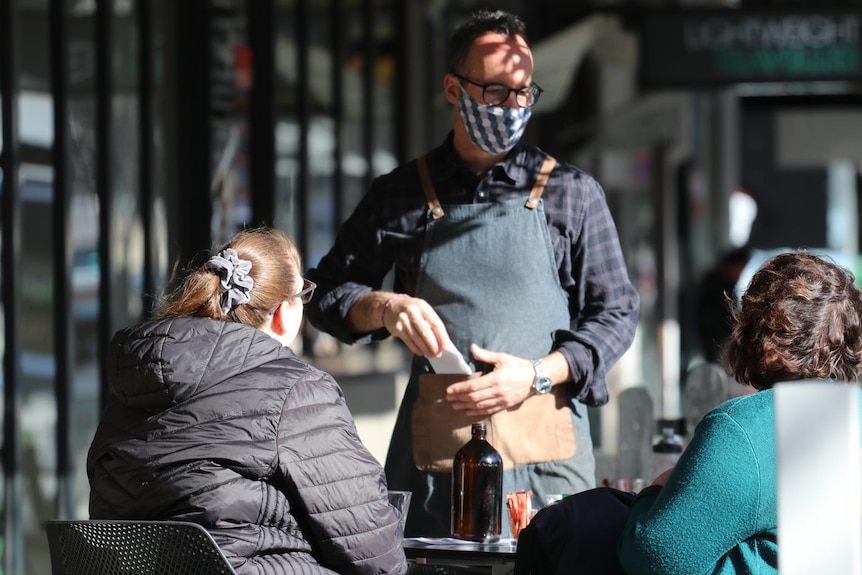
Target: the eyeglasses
(307, 291)
(496, 94)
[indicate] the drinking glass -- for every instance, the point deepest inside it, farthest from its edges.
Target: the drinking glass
(400, 500)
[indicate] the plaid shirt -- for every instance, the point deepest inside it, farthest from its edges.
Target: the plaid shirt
(387, 229)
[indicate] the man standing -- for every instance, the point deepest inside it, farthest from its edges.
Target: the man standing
(509, 254)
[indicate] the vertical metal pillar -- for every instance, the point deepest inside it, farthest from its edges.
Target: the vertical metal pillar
(403, 39)
(11, 250)
(63, 258)
(303, 189)
(669, 284)
(261, 33)
(303, 114)
(336, 22)
(104, 145)
(145, 149)
(369, 54)
(194, 133)
(724, 159)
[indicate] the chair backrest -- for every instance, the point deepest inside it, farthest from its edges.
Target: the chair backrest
(636, 428)
(115, 547)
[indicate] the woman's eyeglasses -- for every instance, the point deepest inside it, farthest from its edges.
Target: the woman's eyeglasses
(307, 291)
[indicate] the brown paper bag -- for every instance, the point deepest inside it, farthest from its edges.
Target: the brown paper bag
(538, 430)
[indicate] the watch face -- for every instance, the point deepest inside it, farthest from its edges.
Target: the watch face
(542, 385)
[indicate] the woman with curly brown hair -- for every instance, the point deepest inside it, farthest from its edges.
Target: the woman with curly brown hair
(715, 512)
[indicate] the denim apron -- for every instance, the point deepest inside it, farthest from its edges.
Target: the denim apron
(489, 272)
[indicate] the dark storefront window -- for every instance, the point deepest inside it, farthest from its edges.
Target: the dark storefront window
(60, 358)
(112, 151)
(344, 113)
(335, 109)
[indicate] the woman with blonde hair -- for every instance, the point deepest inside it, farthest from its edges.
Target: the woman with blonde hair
(212, 418)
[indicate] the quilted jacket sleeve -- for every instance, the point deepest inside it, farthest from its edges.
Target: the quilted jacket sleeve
(338, 487)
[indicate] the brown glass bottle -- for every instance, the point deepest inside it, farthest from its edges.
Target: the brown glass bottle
(477, 490)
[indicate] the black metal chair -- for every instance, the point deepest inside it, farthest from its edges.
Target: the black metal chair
(116, 547)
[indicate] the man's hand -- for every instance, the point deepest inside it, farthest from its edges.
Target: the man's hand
(508, 385)
(414, 321)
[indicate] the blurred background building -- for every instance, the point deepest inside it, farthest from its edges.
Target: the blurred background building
(138, 133)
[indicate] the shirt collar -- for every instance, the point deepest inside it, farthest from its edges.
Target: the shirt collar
(444, 163)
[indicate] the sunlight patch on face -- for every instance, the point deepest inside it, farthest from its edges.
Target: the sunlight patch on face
(496, 58)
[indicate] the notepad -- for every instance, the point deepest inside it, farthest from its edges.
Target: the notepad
(451, 361)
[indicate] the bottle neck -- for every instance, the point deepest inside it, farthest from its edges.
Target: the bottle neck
(479, 432)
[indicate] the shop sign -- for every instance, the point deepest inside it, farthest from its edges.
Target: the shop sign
(697, 48)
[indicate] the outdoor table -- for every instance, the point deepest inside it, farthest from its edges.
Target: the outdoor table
(498, 556)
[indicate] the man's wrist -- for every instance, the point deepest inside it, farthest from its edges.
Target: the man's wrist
(557, 366)
(388, 304)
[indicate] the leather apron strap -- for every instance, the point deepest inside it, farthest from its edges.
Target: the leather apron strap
(541, 181)
(428, 188)
(437, 210)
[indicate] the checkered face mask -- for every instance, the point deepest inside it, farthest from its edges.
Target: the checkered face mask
(493, 129)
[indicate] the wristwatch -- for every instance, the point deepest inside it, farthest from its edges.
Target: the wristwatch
(542, 381)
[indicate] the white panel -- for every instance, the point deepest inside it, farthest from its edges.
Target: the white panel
(819, 512)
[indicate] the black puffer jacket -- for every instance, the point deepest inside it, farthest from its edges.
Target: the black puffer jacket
(217, 423)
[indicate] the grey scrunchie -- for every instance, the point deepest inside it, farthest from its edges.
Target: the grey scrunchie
(235, 281)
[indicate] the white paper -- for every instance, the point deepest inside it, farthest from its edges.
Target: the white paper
(450, 362)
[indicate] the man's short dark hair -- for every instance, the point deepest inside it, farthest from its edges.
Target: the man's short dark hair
(481, 22)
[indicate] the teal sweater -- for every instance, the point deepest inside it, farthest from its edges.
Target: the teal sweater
(717, 512)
